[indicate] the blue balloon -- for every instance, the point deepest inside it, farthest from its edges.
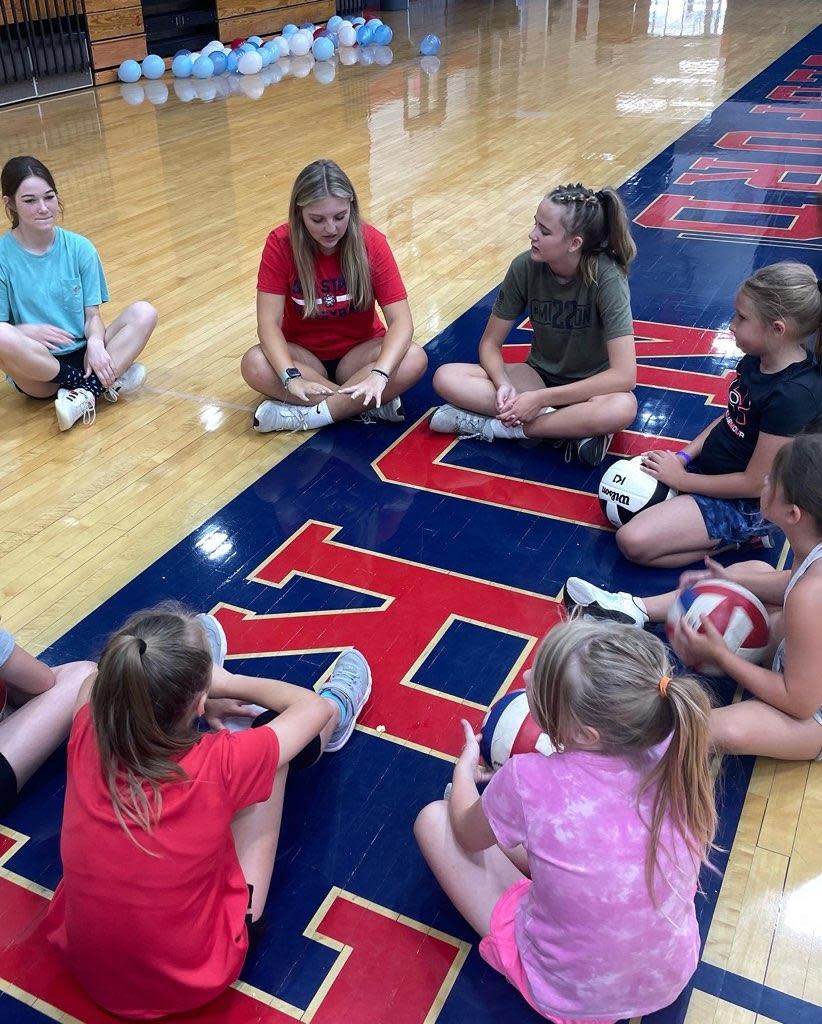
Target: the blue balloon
(364, 35)
(219, 60)
(333, 37)
(255, 40)
(231, 62)
(383, 35)
(246, 46)
(323, 48)
(153, 66)
(334, 23)
(373, 23)
(308, 25)
(183, 53)
(181, 65)
(289, 30)
(129, 71)
(203, 67)
(430, 45)
(357, 21)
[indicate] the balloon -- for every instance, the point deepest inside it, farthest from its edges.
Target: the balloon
(153, 66)
(129, 71)
(181, 66)
(430, 45)
(251, 63)
(203, 68)
(323, 48)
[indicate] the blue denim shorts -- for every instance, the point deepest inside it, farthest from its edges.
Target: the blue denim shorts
(732, 520)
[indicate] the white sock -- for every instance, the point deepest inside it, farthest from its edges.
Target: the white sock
(318, 416)
(498, 429)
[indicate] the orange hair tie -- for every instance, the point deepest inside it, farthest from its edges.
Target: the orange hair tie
(663, 685)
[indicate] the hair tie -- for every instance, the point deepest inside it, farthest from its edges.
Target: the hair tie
(663, 685)
(141, 645)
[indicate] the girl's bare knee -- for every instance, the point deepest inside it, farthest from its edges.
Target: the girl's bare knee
(431, 821)
(632, 544)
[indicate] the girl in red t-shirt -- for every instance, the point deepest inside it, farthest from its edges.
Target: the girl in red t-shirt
(169, 835)
(324, 354)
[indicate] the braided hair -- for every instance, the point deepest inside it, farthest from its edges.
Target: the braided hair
(600, 220)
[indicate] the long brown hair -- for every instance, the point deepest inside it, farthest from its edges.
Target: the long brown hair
(601, 221)
(788, 291)
(606, 677)
(150, 675)
(14, 173)
(317, 181)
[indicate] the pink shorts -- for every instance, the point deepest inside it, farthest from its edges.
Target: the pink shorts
(499, 949)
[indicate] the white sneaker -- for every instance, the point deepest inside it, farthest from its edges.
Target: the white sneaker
(127, 382)
(350, 683)
(596, 603)
(448, 419)
(390, 412)
(215, 634)
(71, 405)
(270, 415)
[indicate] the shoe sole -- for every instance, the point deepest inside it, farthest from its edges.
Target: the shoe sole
(346, 736)
(595, 610)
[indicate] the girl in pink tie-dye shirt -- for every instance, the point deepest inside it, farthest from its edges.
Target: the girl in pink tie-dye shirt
(579, 869)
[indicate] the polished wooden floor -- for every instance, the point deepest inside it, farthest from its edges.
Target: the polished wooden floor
(178, 198)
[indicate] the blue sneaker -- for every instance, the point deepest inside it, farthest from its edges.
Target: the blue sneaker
(215, 634)
(349, 686)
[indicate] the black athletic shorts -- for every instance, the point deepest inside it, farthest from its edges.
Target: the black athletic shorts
(331, 367)
(8, 787)
(77, 359)
(309, 755)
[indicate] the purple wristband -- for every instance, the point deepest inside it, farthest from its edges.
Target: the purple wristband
(686, 458)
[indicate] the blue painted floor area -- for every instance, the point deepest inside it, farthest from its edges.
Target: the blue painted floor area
(348, 820)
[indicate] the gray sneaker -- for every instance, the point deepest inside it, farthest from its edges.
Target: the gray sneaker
(448, 419)
(592, 450)
(390, 412)
(215, 634)
(127, 382)
(595, 603)
(350, 683)
(270, 415)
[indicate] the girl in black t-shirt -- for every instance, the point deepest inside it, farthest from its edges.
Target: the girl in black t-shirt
(776, 393)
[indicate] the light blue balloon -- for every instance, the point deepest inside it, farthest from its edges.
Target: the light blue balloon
(333, 37)
(203, 67)
(323, 48)
(289, 30)
(266, 56)
(255, 40)
(129, 71)
(218, 59)
(383, 35)
(246, 46)
(181, 66)
(364, 35)
(430, 46)
(231, 62)
(183, 53)
(308, 25)
(334, 23)
(373, 23)
(357, 21)
(153, 66)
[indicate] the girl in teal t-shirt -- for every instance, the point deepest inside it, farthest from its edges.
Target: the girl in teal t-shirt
(53, 342)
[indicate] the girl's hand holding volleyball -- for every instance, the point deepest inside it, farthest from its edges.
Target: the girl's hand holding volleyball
(470, 758)
(369, 390)
(697, 648)
(712, 571)
(665, 467)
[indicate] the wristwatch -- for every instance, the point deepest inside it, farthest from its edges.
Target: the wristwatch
(291, 373)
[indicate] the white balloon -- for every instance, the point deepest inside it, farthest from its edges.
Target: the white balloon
(300, 44)
(283, 46)
(347, 35)
(250, 63)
